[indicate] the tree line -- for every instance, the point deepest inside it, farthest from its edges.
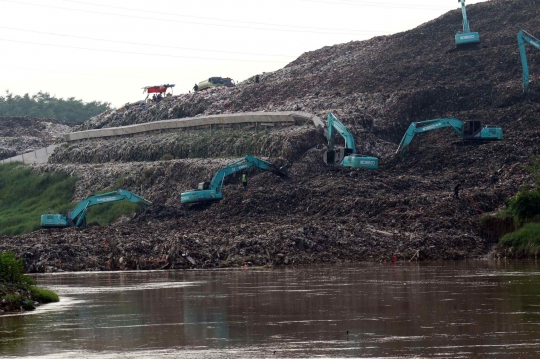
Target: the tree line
(44, 105)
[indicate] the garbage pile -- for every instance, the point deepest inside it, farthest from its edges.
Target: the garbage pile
(290, 143)
(380, 84)
(404, 211)
(319, 215)
(24, 134)
(375, 87)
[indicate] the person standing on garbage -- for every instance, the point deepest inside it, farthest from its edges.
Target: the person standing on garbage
(196, 88)
(257, 79)
(244, 181)
(456, 190)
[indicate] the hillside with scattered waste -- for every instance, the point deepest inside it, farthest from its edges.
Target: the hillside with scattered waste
(24, 134)
(377, 88)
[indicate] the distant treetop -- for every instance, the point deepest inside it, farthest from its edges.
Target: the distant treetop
(44, 105)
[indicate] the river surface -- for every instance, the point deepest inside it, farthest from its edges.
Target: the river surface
(430, 310)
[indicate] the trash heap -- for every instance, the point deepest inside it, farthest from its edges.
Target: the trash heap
(24, 134)
(375, 87)
(290, 143)
(381, 83)
(404, 211)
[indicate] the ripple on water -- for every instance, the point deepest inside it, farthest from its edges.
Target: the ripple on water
(70, 290)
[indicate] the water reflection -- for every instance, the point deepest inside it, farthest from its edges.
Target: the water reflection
(466, 309)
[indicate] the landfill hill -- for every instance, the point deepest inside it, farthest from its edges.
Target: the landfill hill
(24, 134)
(385, 80)
(376, 87)
(403, 211)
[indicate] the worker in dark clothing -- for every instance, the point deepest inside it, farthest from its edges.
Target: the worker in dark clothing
(196, 88)
(456, 190)
(257, 79)
(159, 97)
(244, 181)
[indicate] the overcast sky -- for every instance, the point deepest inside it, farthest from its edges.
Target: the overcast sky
(107, 50)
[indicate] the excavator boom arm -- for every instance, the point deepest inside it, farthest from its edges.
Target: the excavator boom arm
(465, 19)
(523, 38)
(429, 125)
(78, 214)
(213, 193)
(249, 161)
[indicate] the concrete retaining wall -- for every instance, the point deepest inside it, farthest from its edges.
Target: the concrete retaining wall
(37, 156)
(263, 118)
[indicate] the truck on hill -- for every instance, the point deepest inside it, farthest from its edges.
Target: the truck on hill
(215, 82)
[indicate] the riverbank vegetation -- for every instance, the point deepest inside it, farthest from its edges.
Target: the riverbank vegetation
(17, 290)
(524, 209)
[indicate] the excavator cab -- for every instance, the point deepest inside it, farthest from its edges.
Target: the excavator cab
(203, 186)
(471, 128)
(336, 156)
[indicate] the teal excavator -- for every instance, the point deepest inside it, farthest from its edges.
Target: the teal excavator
(77, 217)
(524, 37)
(212, 191)
(468, 131)
(466, 37)
(345, 157)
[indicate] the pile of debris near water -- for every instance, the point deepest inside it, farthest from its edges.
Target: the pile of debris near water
(24, 134)
(405, 210)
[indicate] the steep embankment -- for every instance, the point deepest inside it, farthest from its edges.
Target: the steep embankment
(377, 88)
(23, 134)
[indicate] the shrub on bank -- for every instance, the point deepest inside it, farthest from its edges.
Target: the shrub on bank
(16, 289)
(525, 205)
(44, 295)
(12, 269)
(525, 241)
(524, 208)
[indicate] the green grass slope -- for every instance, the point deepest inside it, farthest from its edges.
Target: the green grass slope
(26, 195)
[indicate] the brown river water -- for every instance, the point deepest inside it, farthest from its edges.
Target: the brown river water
(477, 309)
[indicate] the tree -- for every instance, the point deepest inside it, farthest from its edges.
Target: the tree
(44, 105)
